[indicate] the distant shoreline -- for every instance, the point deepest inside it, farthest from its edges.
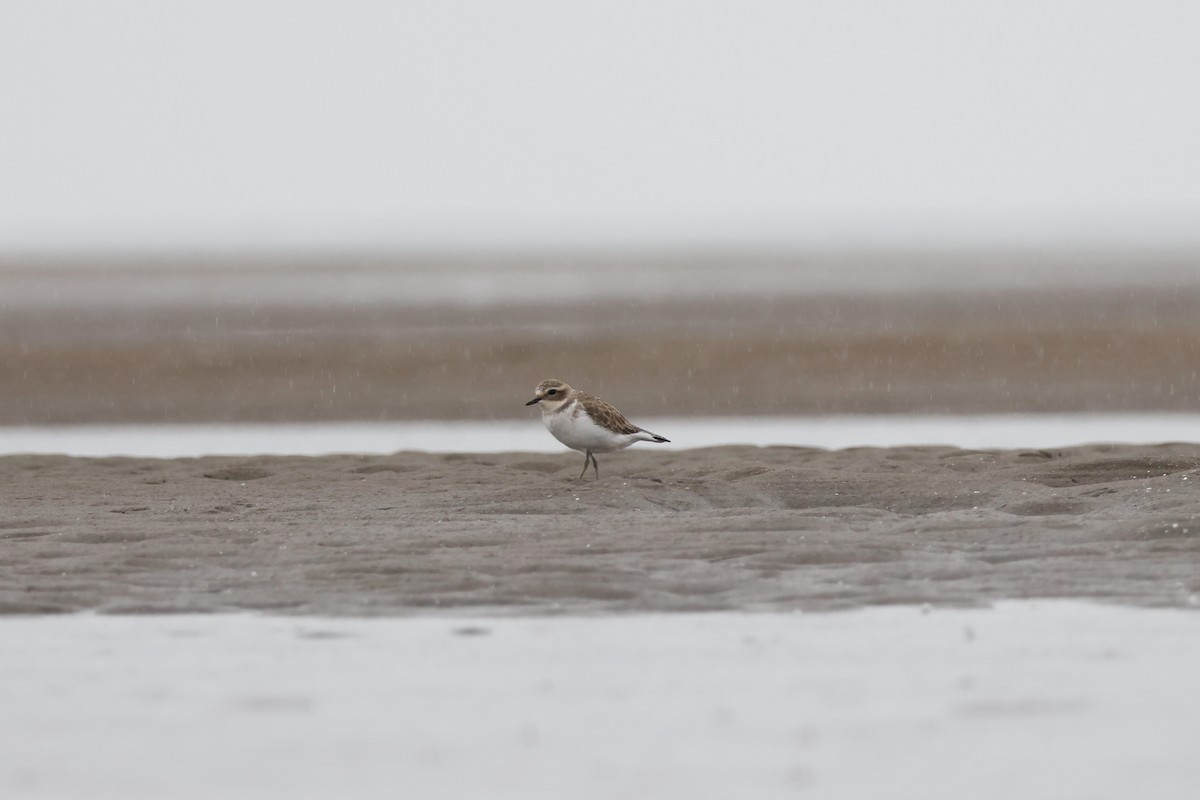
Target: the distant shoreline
(103, 348)
(469, 278)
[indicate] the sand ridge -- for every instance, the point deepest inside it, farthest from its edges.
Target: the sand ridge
(727, 528)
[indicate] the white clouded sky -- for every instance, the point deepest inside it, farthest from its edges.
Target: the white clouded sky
(264, 122)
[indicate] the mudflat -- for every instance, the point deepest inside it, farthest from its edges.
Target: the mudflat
(340, 340)
(728, 528)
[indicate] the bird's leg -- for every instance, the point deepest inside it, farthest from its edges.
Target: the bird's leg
(594, 464)
(586, 457)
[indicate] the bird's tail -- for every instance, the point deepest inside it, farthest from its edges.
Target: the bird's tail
(653, 437)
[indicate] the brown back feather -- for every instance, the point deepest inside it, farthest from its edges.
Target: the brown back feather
(605, 414)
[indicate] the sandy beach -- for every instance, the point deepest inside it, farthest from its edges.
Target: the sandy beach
(1015, 622)
(458, 625)
(914, 299)
(732, 528)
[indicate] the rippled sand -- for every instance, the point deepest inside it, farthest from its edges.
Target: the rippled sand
(730, 528)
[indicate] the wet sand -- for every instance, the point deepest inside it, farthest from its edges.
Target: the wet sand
(461, 683)
(730, 528)
(725, 528)
(457, 340)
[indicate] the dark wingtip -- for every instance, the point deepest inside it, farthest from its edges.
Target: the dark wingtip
(662, 439)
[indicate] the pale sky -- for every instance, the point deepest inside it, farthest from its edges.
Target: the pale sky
(400, 124)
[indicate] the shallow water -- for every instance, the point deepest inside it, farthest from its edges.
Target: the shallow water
(439, 436)
(1089, 701)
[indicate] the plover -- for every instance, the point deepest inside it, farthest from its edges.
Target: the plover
(586, 423)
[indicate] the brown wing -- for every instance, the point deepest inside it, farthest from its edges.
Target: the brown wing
(604, 414)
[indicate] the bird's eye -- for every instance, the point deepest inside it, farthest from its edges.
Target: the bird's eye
(552, 391)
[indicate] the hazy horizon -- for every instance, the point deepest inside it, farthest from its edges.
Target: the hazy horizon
(376, 125)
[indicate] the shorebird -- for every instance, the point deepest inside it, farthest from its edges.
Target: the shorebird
(586, 423)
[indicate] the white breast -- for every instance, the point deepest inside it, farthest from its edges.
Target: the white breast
(576, 430)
